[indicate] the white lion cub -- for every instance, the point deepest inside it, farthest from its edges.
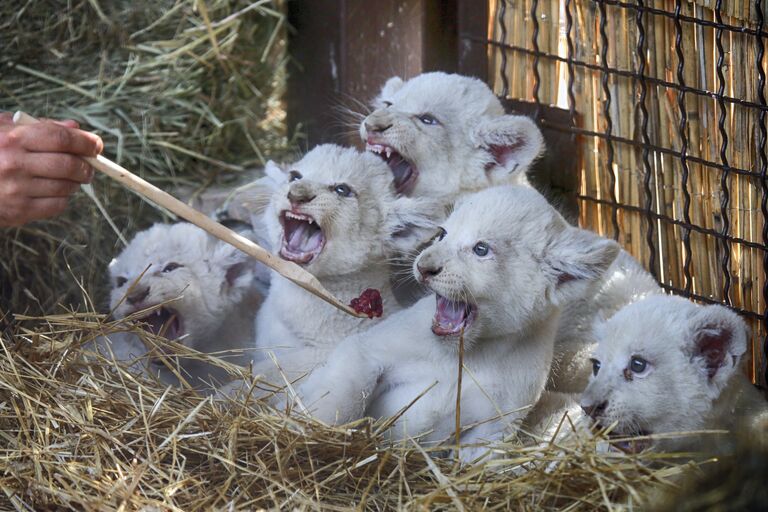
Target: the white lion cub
(500, 270)
(208, 291)
(665, 365)
(337, 215)
(444, 135)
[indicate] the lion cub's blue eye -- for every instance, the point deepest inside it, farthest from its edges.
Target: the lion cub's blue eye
(481, 249)
(638, 364)
(342, 189)
(428, 119)
(294, 176)
(171, 267)
(595, 366)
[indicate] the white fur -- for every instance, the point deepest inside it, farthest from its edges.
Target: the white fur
(554, 417)
(677, 392)
(362, 232)
(454, 156)
(253, 198)
(213, 291)
(625, 282)
(518, 289)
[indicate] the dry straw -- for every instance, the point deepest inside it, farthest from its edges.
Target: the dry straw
(84, 433)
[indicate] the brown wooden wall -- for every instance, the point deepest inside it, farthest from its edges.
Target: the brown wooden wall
(344, 50)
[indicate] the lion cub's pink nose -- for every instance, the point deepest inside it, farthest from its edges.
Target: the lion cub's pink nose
(594, 410)
(299, 197)
(377, 128)
(138, 296)
(427, 272)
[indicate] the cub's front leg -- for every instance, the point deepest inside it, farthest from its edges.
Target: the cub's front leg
(477, 443)
(340, 391)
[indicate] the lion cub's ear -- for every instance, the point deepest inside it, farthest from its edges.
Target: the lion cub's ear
(275, 172)
(251, 200)
(574, 259)
(512, 142)
(389, 89)
(237, 269)
(411, 221)
(716, 342)
(255, 196)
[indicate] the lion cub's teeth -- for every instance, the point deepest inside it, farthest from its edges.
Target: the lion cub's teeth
(378, 148)
(388, 152)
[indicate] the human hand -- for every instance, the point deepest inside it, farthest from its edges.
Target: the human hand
(40, 167)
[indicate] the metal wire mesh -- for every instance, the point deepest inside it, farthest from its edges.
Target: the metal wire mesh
(667, 99)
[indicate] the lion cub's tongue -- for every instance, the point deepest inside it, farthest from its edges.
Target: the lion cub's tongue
(304, 238)
(449, 314)
(400, 167)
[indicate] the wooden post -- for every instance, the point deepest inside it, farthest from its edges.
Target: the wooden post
(315, 71)
(344, 50)
(473, 33)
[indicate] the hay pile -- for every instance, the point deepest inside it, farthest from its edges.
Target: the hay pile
(186, 93)
(85, 434)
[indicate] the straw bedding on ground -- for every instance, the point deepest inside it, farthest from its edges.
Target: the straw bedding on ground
(80, 432)
(187, 94)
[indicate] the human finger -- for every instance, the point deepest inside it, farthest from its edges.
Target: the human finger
(44, 207)
(41, 187)
(6, 118)
(52, 138)
(59, 166)
(68, 123)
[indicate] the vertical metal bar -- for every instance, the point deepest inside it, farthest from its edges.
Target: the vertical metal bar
(502, 11)
(608, 120)
(535, 42)
(571, 70)
(682, 132)
(763, 170)
(641, 58)
(725, 262)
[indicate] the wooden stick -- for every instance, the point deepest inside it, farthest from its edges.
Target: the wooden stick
(458, 391)
(287, 269)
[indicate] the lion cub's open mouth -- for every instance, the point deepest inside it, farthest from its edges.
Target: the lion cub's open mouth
(303, 239)
(164, 322)
(451, 317)
(627, 442)
(405, 172)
